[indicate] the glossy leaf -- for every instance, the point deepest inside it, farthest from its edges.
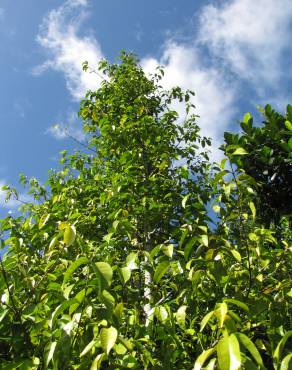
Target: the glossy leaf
(228, 353)
(203, 358)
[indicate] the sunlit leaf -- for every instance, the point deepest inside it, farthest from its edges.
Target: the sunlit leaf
(108, 337)
(203, 358)
(69, 235)
(228, 353)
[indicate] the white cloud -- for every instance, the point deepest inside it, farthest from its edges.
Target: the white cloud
(59, 36)
(250, 37)
(214, 99)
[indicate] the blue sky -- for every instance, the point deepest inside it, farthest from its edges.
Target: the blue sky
(234, 54)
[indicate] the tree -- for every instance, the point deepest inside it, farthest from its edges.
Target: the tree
(266, 155)
(120, 264)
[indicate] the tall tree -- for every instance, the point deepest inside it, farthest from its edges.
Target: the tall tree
(120, 265)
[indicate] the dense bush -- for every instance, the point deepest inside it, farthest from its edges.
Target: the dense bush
(142, 254)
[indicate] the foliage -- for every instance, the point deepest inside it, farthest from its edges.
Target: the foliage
(120, 264)
(265, 153)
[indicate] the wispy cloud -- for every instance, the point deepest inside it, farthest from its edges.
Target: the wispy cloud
(238, 43)
(249, 37)
(59, 36)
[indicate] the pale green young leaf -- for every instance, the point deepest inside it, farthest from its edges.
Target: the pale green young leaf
(181, 316)
(206, 319)
(50, 352)
(221, 313)
(278, 351)
(203, 358)
(43, 220)
(96, 364)
(108, 337)
(240, 151)
(69, 235)
(104, 271)
(88, 347)
(125, 273)
(286, 362)
(228, 353)
(168, 250)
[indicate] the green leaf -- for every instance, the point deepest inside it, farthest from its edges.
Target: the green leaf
(131, 261)
(105, 272)
(53, 242)
(237, 303)
(160, 270)
(108, 299)
(253, 209)
(181, 316)
(278, 351)
(205, 240)
(3, 314)
(108, 337)
(206, 319)
(285, 364)
(168, 250)
(236, 255)
(120, 349)
(247, 117)
(63, 306)
(221, 313)
(184, 201)
(80, 261)
(125, 273)
(203, 358)
(43, 220)
(249, 345)
(97, 362)
(161, 313)
(240, 151)
(288, 125)
(69, 235)
(89, 346)
(216, 208)
(211, 364)
(50, 352)
(228, 353)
